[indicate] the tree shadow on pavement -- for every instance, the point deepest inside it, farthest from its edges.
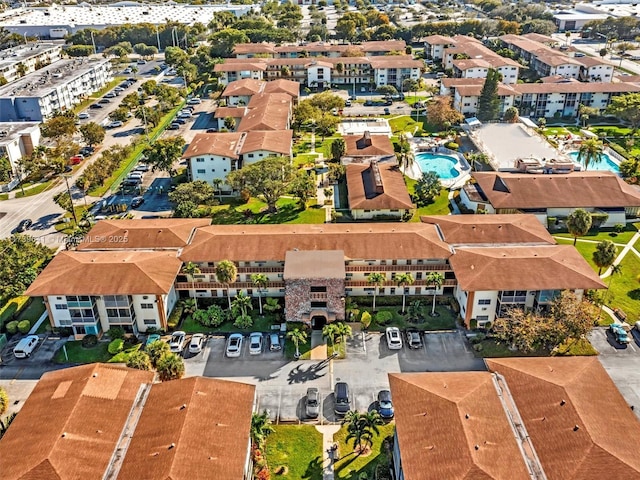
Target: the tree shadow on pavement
(302, 375)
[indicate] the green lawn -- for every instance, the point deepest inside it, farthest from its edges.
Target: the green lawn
(439, 207)
(289, 211)
(490, 349)
(445, 321)
(351, 466)
(78, 354)
(260, 324)
(11, 307)
(573, 347)
(39, 188)
(4, 196)
(299, 449)
(33, 311)
(626, 289)
(622, 237)
(585, 249)
(404, 123)
(123, 356)
(549, 131)
(304, 349)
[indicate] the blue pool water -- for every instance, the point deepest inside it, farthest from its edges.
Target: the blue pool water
(605, 164)
(442, 165)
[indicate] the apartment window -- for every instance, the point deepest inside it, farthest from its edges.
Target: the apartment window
(149, 321)
(250, 155)
(146, 305)
(61, 306)
(484, 301)
(202, 171)
(199, 159)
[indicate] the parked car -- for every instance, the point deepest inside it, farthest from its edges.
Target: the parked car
(154, 337)
(638, 326)
(387, 111)
(194, 101)
(173, 126)
(141, 62)
(86, 151)
(136, 202)
(619, 333)
(132, 80)
(127, 71)
(184, 114)
(255, 343)
(234, 345)
(197, 341)
(24, 225)
(95, 105)
(394, 340)
(76, 159)
(26, 346)
(342, 401)
(176, 342)
(212, 130)
(110, 95)
(413, 339)
(118, 90)
(180, 121)
(115, 124)
(347, 103)
(83, 116)
(312, 403)
(104, 100)
(274, 342)
(142, 167)
(385, 405)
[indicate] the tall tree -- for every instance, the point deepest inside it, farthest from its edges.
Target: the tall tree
(405, 155)
(241, 304)
(164, 153)
(92, 133)
(58, 126)
(156, 350)
(489, 102)
(170, 367)
(403, 280)
(226, 274)
(338, 149)
(21, 261)
(434, 279)
(270, 178)
(441, 112)
(223, 41)
(627, 107)
(427, 189)
(376, 279)
(260, 280)
(578, 223)
(303, 186)
(190, 269)
(362, 428)
(298, 337)
(604, 254)
(261, 428)
(590, 152)
(330, 331)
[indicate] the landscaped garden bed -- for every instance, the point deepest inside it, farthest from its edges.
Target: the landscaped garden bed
(375, 463)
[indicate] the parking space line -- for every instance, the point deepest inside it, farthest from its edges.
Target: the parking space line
(444, 344)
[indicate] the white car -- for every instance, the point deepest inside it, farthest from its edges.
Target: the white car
(110, 95)
(234, 345)
(255, 343)
(185, 114)
(115, 124)
(194, 101)
(83, 116)
(197, 341)
(176, 342)
(394, 339)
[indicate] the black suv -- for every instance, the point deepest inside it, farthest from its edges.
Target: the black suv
(343, 403)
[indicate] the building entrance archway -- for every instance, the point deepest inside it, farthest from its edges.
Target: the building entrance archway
(318, 322)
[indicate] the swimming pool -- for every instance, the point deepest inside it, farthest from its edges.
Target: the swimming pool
(605, 164)
(443, 165)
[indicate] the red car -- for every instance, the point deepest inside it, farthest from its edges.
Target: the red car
(75, 160)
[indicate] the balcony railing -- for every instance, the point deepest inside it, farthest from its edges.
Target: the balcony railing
(515, 299)
(425, 267)
(216, 285)
(87, 304)
(121, 320)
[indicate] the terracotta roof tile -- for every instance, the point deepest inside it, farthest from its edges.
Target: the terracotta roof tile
(156, 234)
(269, 111)
(554, 395)
(208, 421)
(573, 87)
(247, 64)
(438, 40)
(550, 267)
(271, 242)
(440, 420)
(276, 141)
(223, 144)
(362, 191)
(367, 145)
(74, 435)
(490, 229)
(577, 189)
(282, 85)
(234, 112)
(245, 86)
(247, 48)
(129, 272)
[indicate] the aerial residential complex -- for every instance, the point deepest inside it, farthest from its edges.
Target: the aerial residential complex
(18, 61)
(489, 263)
(57, 87)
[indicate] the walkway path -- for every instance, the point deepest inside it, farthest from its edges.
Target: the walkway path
(625, 250)
(327, 432)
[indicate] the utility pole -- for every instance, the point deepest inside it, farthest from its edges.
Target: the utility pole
(93, 41)
(158, 38)
(73, 210)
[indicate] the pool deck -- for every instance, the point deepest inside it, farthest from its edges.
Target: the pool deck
(415, 172)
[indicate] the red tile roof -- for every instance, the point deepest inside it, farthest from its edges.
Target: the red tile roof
(365, 194)
(276, 141)
(367, 145)
(243, 87)
(222, 144)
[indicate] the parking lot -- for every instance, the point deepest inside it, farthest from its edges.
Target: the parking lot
(622, 363)
(282, 384)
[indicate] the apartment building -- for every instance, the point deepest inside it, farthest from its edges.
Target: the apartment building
(239, 93)
(555, 96)
(19, 61)
(18, 140)
(57, 87)
(487, 262)
(323, 72)
(211, 156)
(317, 49)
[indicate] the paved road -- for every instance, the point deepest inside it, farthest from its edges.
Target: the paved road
(593, 47)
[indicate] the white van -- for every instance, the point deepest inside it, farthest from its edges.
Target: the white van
(25, 346)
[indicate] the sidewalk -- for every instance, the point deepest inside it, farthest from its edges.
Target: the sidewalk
(327, 432)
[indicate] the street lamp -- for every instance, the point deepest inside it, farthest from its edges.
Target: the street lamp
(158, 38)
(93, 41)
(73, 210)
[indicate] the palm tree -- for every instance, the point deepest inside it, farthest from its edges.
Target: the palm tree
(191, 269)
(260, 281)
(217, 184)
(241, 304)
(477, 158)
(403, 280)
(343, 331)
(330, 331)
(377, 280)
(405, 156)
(578, 223)
(436, 279)
(298, 337)
(261, 428)
(361, 428)
(170, 367)
(590, 152)
(604, 254)
(226, 274)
